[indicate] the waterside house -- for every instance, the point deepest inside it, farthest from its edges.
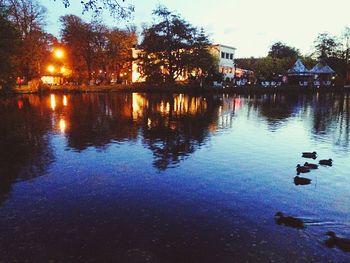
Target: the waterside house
(321, 75)
(226, 64)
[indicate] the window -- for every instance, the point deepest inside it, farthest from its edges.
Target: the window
(227, 55)
(231, 56)
(222, 54)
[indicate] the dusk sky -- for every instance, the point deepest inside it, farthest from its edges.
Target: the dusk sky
(251, 25)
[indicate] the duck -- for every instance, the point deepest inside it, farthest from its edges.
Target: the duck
(341, 243)
(311, 165)
(290, 221)
(302, 169)
(301, 180)
(311, 155)
(328, 162)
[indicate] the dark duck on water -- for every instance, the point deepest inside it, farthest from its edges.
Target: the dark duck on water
(328, 162)
(302, 169)
(290, 221)
(339, 242)
(311, 155)
(301, 180)
(311, 165)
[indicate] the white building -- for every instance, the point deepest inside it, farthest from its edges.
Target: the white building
(224, 54)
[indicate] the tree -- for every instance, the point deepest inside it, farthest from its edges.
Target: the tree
(202, 64)
(79, 37)
(346, 38)
(280, 50)
(119, 45)
(96, 51)
(100, 44)
(326, 46)
(173, 48)
(29, 16)
(117, 8)
(9, 41)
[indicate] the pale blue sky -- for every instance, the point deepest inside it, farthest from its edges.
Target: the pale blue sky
(250, 25)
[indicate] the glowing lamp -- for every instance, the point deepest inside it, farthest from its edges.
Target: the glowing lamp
(58, 53)
(51, 69)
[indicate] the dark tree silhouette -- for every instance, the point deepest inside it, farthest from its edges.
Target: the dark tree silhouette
(117, 8)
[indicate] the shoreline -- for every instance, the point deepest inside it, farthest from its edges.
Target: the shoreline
(174, 89)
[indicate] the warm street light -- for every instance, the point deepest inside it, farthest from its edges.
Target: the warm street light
(51, 68)
(63, 70)
(58, 53)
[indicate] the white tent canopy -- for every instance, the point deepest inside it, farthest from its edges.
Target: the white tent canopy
(322, 69)
(299, 69)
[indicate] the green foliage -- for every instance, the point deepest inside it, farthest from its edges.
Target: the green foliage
(266, 67)
(173, 48)
(280, 51)
(309, 61)
(326, 46)
(330, 50)
(9, 41)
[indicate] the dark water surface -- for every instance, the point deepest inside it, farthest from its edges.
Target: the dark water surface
(171, 178)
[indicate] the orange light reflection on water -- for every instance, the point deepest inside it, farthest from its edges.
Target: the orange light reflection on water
(65, 101)
(53, 101)
(62, 125)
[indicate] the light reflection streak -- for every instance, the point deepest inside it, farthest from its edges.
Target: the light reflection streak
(65, 102)
(53, 101)
(62, 125)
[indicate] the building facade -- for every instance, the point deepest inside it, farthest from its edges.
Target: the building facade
(224, 54)
(226, 63)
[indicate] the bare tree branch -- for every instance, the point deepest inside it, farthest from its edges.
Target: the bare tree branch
(118, 9)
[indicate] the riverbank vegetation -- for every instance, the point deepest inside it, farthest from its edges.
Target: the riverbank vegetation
(328, 49)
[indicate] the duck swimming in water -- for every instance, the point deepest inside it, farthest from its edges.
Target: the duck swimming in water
(341, 243)
(290, 221)
(311, 155)
(302, 169)
(301, 180)
(328, 162)
(311, 165)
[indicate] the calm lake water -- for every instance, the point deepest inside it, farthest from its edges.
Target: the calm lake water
(171, 178)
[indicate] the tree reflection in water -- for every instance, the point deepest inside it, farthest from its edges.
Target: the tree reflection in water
(25, 150)
(331, 116)
(97, 120)
(175, 126)
(171, 126)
